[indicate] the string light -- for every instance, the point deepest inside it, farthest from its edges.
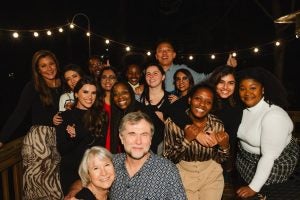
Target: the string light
(15, 35)
(49, 33)
(72, 25)
(35, 34)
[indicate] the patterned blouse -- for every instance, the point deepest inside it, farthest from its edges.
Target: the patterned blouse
(177, 148)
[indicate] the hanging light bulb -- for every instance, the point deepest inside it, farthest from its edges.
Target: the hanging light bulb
(36, 34)
(15, 34)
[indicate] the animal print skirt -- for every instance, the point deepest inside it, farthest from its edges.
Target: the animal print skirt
(41, 164)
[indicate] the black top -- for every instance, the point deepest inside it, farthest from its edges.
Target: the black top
(161, 106)
(72, 149)
(231, 117)
(30, 101)
(85, 194)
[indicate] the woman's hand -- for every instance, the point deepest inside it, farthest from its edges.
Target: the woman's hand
(206, 139)
(192, 132)
(222, 139)
(245, 192)
(57, 119)
(172, 98)
(71, 130)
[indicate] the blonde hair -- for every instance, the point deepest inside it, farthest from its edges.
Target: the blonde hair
(96, 151)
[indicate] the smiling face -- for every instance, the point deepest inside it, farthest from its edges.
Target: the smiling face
(182, 83)
(165, 55)
(225, 87)
(251, 92)
(47, 68)
(121, 96)
(86, 96)
(154, 77)
(133, 74)
(201, 103)
(108, 79)
(136, 138)
(101, 172)
(71, 77)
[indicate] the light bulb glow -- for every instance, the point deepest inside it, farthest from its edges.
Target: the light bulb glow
(212, 56)
(36, 34)
(234, 54)
(49, 33)
(15, 35)
(72, 26)
(88, 34)
(256, 50)
(191, 57)
(60, 30)
(148, 53)
(127, 48)
(106, 41)
(277, 43)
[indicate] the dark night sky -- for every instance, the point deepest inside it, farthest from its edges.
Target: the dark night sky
(196, 26)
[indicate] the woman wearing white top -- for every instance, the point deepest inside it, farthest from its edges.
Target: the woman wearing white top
(72, 73)
(268, 152)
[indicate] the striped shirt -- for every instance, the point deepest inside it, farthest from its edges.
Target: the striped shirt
(177, 148)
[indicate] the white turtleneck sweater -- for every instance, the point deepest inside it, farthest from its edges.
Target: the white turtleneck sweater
(265, 130)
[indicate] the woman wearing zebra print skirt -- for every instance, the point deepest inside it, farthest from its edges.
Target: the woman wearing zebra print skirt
(40, 156)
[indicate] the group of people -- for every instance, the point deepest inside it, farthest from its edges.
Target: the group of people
(164, 131)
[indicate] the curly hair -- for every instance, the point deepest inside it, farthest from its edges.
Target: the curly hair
(274, 91)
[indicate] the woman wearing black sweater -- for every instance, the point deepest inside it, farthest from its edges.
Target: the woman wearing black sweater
(83, 127)
(40, 158)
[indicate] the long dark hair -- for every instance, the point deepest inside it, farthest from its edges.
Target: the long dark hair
(39, 82)
(71, 67)
(215, 78)
(95, 117)
(189, 76)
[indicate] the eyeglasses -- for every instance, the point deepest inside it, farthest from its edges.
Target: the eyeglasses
(108, 77)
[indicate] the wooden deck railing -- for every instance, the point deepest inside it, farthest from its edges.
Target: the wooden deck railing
(11, 170)
(11, 163)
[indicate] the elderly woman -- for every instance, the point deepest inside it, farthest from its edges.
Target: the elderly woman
(97, 174)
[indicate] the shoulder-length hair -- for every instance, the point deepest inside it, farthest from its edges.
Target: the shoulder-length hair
(91, 153)
(145, 94)
(188, 75)
(215, 78)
